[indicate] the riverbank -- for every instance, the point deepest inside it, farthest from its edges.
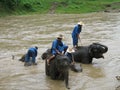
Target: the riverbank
(60, 7)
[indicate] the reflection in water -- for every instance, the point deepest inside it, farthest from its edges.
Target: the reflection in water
(93, 71)
(18, 33)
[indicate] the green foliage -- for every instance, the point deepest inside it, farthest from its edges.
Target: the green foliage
(58, 6)
(10, 4)
(86, 6)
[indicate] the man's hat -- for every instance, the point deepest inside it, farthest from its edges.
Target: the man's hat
(70, 50)
(80, 23)
(60, 36)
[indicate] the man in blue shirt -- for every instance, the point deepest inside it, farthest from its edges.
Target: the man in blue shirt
(58, 47)
(75, 34)
(31, 54)
(69, 53)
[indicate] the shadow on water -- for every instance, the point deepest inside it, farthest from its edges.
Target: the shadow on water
(18, 33)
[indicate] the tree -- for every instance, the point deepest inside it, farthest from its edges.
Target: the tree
(10, 4)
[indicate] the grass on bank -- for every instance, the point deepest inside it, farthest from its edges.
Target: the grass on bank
(86, 6)
(60, 6)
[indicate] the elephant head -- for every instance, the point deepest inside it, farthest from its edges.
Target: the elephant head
(62, 62)
(97, 50)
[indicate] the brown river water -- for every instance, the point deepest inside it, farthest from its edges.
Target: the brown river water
(18, 33)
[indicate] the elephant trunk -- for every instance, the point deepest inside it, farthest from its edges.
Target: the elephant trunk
(104, 49)
(66, 78)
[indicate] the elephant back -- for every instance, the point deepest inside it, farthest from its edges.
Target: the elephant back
(46, 54)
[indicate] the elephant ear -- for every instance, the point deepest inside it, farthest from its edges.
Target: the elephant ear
(96, 48)
(91, 50)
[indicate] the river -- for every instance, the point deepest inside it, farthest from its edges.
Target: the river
(18, 33)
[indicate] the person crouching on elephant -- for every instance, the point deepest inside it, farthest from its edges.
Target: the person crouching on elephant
(76, 34)
(70, 55)
(58, 47)
(31, 54)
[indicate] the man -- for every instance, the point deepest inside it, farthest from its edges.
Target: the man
(58, 47)
(69, 53)
(31, 54)
(75, 34)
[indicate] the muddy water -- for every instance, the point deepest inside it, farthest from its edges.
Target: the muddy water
(18, 33)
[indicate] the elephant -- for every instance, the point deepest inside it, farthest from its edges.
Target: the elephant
(117, 88)
(58, 69)
(118, 78)
(85, 54)
(74, 67)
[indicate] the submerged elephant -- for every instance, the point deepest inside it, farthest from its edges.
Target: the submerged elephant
(58, 68)
(118, 78)
(85, 54)
(22, 58)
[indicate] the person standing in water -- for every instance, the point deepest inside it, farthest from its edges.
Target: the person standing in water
(76, 34)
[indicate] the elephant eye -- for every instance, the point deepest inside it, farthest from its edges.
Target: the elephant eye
(95, 50)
